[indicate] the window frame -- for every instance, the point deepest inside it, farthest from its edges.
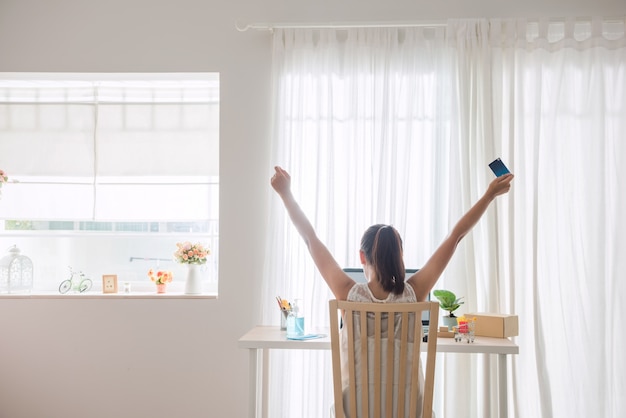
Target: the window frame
(204, 230)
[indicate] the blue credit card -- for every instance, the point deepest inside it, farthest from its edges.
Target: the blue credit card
(498, 167)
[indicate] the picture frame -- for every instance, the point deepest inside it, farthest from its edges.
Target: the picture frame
(109, 283)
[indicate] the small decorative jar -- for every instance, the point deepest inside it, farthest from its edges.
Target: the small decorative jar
(16, 272)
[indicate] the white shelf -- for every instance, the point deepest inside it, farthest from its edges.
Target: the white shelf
(95, 295)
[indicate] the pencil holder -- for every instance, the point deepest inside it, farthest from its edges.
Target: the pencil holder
(283, 320)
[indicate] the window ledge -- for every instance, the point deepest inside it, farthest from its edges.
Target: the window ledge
(134, 295)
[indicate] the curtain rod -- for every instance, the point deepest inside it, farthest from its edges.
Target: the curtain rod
(338, 25)
(347, 25)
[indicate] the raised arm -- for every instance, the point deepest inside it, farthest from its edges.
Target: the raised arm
(338, 281)
(424, 280)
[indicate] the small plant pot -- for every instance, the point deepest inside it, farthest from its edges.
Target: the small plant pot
(450, 321)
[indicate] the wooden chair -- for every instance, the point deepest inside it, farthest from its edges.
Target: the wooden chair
(366, 352)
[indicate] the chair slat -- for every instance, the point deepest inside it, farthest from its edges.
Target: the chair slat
(377, 363)
(415, 359)
(431, 353)
(403, 356)
(390, 361)
(351, 366)
(336, 357)
(364, 365)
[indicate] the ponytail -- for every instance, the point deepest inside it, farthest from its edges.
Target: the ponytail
(382, 246)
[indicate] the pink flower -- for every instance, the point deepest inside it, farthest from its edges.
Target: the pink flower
(189, 253)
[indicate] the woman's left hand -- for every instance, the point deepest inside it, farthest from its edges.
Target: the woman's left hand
(500, 185)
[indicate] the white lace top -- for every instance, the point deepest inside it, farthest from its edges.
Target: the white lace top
(361, 292)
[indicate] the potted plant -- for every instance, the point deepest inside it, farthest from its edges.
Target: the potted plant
(448, 302)
(161, 278)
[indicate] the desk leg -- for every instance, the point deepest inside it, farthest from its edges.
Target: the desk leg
(502, 386)
(258, 370)
(265, 384)
(253, 373)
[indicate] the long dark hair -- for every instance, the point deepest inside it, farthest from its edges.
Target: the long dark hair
(382, 247)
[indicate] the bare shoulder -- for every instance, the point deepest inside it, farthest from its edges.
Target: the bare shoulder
(420, 286)
(342, 287)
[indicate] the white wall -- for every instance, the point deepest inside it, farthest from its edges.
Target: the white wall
(172, 358)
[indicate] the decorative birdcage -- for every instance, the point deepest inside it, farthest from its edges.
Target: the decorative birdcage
(16, 272)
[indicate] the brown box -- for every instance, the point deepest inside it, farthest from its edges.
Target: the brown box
(495, 325)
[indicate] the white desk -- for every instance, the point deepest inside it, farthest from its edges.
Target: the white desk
(261, 339)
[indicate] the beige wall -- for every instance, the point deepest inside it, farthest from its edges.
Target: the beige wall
(156, 358)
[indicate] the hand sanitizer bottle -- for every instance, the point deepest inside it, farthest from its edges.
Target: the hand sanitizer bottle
(295, 320)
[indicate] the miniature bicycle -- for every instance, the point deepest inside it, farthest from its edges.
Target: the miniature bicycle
(80, 284)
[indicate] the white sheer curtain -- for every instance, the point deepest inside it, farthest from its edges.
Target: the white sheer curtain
(397, 126)
(559, 111)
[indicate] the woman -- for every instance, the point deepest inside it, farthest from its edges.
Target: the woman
(382, 258)
(381, 251)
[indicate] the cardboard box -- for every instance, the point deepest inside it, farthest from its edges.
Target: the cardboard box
(495, 325)
(444, 332)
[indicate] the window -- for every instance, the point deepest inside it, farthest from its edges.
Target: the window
(107, 172)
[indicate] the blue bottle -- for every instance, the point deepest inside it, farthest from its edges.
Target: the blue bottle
(295, 321)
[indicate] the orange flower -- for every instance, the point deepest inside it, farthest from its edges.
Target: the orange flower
(161, 276)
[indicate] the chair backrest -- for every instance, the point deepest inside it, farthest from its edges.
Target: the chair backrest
(381, 359)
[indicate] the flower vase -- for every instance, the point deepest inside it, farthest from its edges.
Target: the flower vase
(193, 285)
(161, 287)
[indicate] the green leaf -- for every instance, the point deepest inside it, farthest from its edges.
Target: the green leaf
(447, 300)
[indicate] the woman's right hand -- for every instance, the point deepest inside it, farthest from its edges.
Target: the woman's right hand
(281, 181)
